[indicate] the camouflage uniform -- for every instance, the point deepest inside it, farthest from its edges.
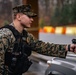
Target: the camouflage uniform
(7, 41)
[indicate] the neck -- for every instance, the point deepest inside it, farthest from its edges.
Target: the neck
(18, 26)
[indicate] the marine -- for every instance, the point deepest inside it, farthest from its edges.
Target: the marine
(10, 38)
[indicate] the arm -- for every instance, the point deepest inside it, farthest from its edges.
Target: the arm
(49, 49)
(6, 39)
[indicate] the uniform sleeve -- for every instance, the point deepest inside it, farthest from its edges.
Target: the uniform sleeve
(5, 41)
(49, 49)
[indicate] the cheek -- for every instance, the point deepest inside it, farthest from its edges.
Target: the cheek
(24, 20)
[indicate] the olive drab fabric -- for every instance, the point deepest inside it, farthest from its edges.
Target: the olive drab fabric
(25, 9)
(17, 59)
(7, 40)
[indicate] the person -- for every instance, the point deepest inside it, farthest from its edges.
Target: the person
(16, 43)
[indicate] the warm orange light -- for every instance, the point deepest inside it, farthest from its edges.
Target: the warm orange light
(60, 30)
(70, 30)
(53, 30)
(64, 30)
(41, 30)
(49, 29)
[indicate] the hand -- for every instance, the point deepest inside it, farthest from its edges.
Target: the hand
(73, 48)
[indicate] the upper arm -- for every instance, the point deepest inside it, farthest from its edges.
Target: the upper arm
(6, 38)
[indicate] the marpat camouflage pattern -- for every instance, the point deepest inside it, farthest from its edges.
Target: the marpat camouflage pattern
(7, 42)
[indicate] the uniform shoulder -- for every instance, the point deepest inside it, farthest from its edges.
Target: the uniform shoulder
(5, 32)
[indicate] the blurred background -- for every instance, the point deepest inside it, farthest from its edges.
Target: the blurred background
(54, 16)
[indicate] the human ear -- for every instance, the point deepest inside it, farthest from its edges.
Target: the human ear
(18, 16)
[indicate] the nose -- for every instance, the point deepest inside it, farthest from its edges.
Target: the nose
(32, 19)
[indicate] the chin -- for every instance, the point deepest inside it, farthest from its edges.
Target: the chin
(28, 26)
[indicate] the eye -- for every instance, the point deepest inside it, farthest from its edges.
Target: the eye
(29, 16)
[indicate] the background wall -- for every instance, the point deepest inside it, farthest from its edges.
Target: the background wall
(35, 25)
